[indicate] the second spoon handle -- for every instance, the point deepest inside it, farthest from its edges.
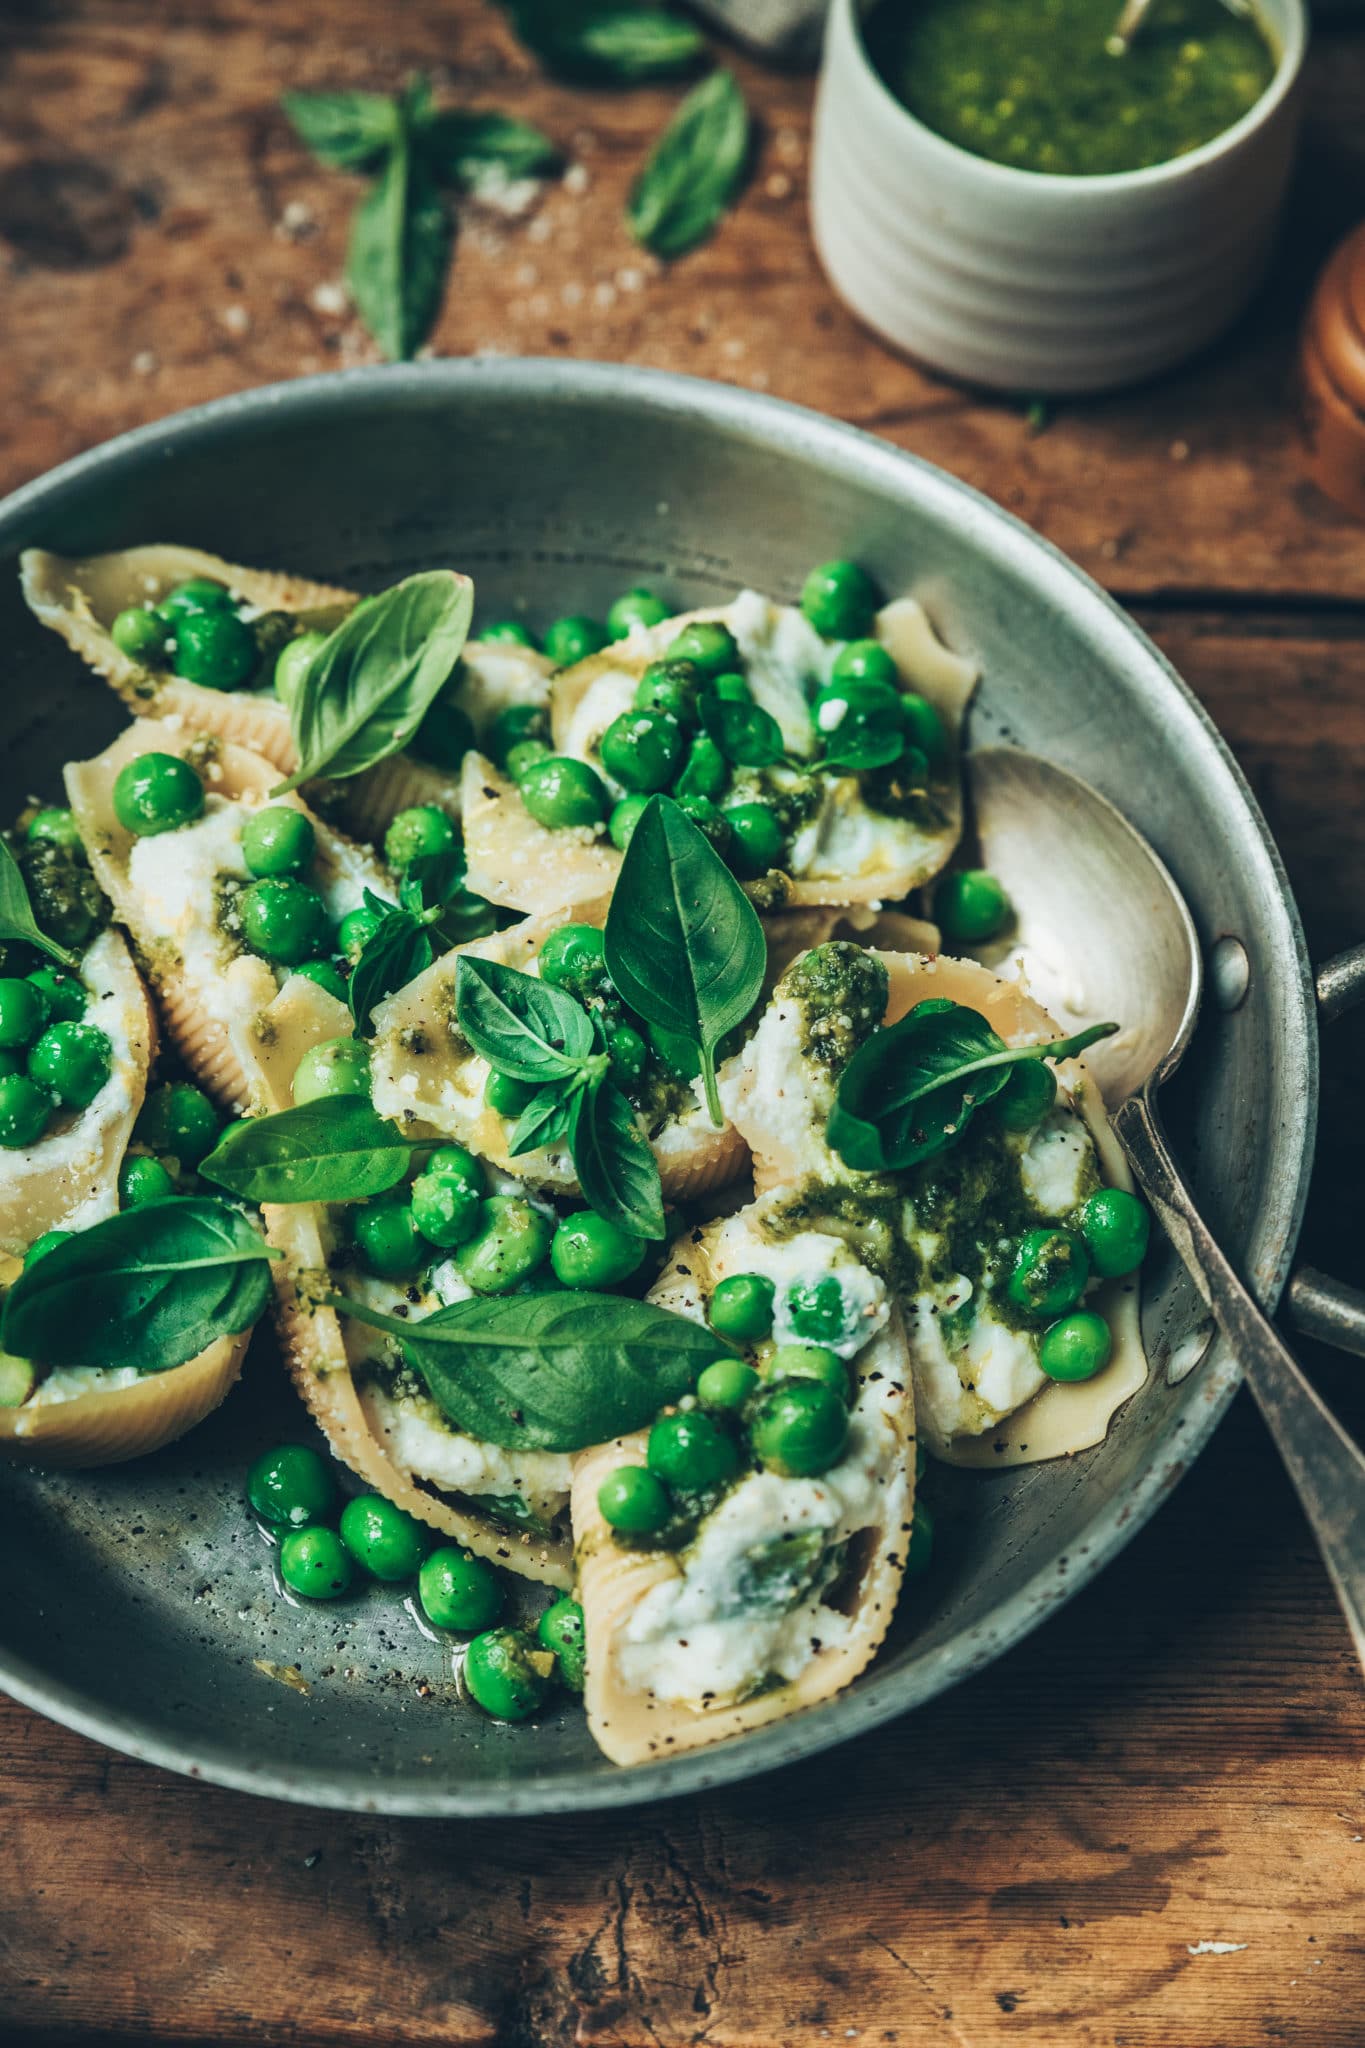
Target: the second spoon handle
(1326, 1466)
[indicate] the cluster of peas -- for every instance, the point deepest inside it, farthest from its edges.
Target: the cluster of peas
(1052, 1268)
(196, 630)
(507, 1671)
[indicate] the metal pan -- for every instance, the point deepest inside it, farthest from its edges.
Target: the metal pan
(145, 1615)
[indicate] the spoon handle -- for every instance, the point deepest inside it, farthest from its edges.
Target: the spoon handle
(1326, 1466)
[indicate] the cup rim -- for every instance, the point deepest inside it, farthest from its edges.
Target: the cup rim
(1150, 177)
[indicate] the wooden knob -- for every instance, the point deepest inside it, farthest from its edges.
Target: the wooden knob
(1332, 378)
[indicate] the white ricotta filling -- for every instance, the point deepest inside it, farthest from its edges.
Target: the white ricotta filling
(1058, 1162)
(803, 1261)
(966, 1391)
(420, 1441)
(72, 1382)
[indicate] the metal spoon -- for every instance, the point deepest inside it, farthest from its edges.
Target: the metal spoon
(1135, 12)
(1103, 931)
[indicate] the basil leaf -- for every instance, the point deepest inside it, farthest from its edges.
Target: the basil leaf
(393, 955)
(367, 688)
(693, 170)
(337, 1149)
(465, 147)
(549, 1372)
(546, 1120)
(604, 39)
(150, 1288)
(344, 130)
(17, 922)
(683, 942)
(521, 1025)
(911, 1088)
(747, 735)
(397, 253)
(616, 1169)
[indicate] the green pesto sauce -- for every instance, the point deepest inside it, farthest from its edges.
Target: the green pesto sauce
(842, 992)
(1030, 83)
(67, 902)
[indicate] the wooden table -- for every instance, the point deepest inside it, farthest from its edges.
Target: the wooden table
(1146, 1826)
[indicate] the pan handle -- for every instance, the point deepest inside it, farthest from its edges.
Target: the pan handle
(1316, 1304)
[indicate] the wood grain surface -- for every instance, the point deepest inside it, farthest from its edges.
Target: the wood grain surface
(1145, 1828)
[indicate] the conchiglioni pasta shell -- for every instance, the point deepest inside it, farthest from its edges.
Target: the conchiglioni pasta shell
(111, 1426)
(315, 1352)
(1061, 1418)
(522, 865)
(632, 1726)
(441, 1087)
(69, 1179)
(213, 1028)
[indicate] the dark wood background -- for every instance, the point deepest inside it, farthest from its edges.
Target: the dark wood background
(1175, 1760)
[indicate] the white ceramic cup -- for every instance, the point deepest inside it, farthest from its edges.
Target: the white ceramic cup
(1026, 281)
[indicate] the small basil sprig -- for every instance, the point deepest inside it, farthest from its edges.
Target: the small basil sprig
(434, 909)
(17, 922)
(338, 1149)
(694, 169)
(911, 1089)
(371, 683)
(472, 147)
(683, 942)
(538, 1034)
(149, 1288)
(606, 40)
(549, 1372)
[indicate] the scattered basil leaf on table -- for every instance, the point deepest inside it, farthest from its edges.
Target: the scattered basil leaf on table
(338, 1149)
(17, 922)
(397, 253)
(616, 1169)
(910, 1089)
(370, 684)
(347, 131)
(521, 1025)
(149, 1288)
(467, 146)
(606, 40)
(694, 169)
(550, 1372)
(683, 942)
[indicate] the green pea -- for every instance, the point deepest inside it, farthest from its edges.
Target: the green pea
(141, 635)
(524, 755)
(798, 1428)
(283, 920)
(142, 1179)
(1051, 1268)
(588, 1251)
(919, 1550)
(638, 607)
(808, 1362)
(512, 1240)
(574, 958)
(560, 792)
(24, 1012)
(291, 1486)
(680, 1055)
(17, 1380)
(1076, 1348)
(672, 686)
(325, 975)
(382, 1538)
(55, 826)
(445, 1209)
(48, 1242)
(705, 772)
(817, 1311)
(750, 737)
(178, 1119)
(507, 1674)
(445, 735)
(624, 818)
(454, 1163)
(840, 600)
(196, 594)
(507, 633)
(641, 749)
(726, 1383)
(758, 837)
(387, 1238)
(628, 1053)
(315, 1563)
(278, 841)
(561, 1631)
(460, 1591)
(157, 793)
(742, 1308)
(356, 930)
(1116, 1227)
(708, 643)
(633, 1500)
(860, 724)
(573, 639)
(11, 1062)
(924, 728)
(507, 1096)
(712, 823)
(292, 664)
(418, 834)
(691, 1451)
(25, 1112)
(67, 998)
(1027, 1096)
(215, 649)
(865, 661)
(733, 689)
(513, 724)
(971, 907)
(72, 1060)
